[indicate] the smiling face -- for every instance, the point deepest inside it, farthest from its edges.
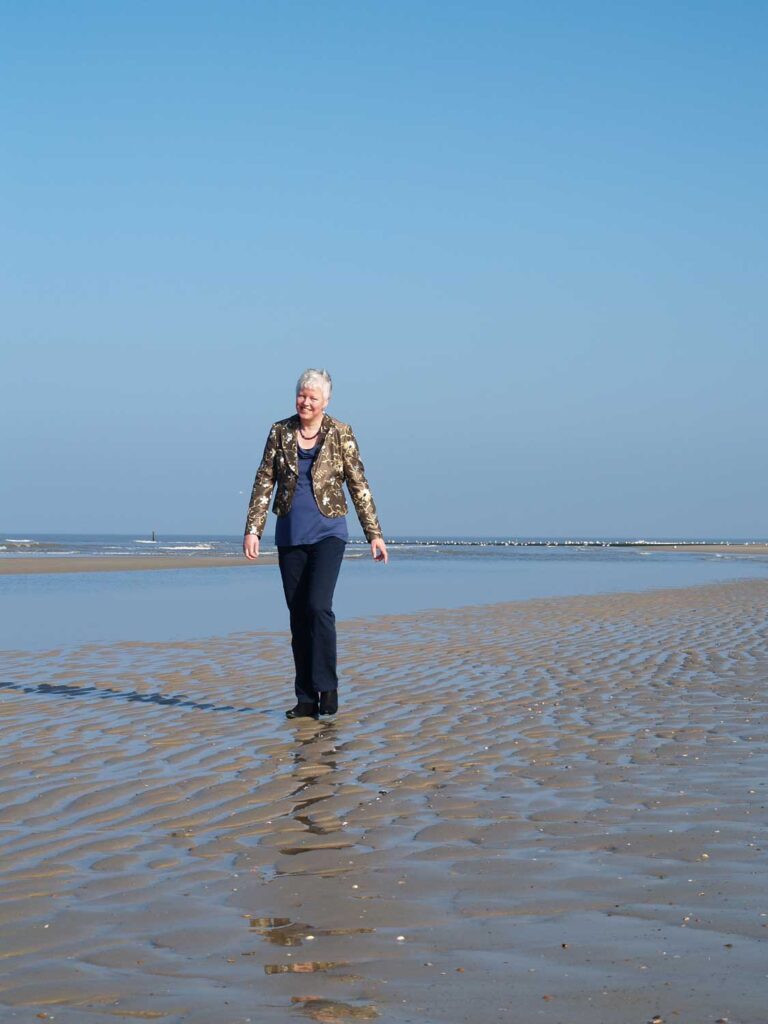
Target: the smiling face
(310, 405)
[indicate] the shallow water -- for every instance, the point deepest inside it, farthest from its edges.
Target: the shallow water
(43, 611)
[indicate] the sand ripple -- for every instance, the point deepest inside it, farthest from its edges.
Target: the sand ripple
(549, 810)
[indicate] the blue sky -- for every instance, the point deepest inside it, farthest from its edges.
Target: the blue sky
(527, 240)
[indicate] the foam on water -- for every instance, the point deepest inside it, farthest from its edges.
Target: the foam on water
(187, 547)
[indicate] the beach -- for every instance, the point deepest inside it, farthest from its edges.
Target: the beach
(549, 810)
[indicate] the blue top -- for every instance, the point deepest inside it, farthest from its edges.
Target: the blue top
(305, 523)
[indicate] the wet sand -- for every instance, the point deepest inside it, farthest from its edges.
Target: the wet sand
(38, 565)
(550, 810)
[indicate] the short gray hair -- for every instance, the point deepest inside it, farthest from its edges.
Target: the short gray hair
(320, 379)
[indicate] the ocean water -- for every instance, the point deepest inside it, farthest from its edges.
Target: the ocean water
(44, 611)
(42, 545)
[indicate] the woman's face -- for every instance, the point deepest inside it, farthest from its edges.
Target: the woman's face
(310, 403)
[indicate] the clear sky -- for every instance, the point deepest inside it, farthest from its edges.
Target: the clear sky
(527, 239)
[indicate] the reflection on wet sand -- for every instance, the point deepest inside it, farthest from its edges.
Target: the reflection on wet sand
(303, 968)
(314, 765)
(330, 1010)
(281, 931)
(551, 810)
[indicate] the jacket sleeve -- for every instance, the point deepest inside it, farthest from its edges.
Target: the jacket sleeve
(360, 492)
(263, 486)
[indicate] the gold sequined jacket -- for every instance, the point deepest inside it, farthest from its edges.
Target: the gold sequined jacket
(338, 462)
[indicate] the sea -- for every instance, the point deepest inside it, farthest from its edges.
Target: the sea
(45, 611)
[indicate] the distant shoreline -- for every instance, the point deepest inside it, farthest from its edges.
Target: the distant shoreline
(44, 564)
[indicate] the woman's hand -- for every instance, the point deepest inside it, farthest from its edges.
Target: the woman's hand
(251, 546)
(379, 549)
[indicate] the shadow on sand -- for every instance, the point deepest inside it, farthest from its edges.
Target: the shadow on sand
(104, 693)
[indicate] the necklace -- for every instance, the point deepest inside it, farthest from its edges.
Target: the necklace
(311, 436)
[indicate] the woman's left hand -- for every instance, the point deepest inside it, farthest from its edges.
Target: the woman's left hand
(379, 549)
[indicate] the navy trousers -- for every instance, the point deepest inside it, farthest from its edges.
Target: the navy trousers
(309, 573)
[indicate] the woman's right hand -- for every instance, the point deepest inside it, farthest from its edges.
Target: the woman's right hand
(251, 546)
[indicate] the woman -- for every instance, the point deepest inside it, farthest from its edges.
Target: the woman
(309, 457)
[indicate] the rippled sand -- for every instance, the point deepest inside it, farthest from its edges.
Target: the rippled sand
(545, 811)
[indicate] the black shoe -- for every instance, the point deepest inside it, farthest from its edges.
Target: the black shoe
(329, 702)
(302, 711)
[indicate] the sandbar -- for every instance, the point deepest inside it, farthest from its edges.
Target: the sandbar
(41, 565)
(713, 549)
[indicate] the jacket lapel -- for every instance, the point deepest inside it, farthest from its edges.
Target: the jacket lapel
(325, 426)
(323, 454)
(290, 445)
